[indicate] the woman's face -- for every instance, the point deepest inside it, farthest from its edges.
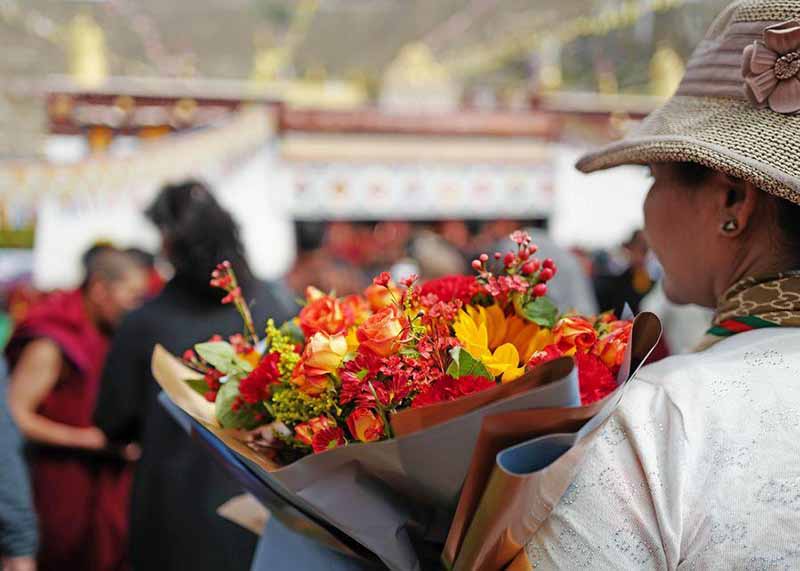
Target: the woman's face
(681, 228)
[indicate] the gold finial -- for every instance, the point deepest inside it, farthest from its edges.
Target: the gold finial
(666, 71)
(87, 51)
(415, 66)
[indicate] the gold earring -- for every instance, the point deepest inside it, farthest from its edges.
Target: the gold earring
(731, 225)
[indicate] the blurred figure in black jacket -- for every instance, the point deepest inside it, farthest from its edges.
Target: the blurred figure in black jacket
(178, 487)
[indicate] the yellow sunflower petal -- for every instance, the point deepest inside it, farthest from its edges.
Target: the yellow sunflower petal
(503, 359)
(513, 374)
(496, 325)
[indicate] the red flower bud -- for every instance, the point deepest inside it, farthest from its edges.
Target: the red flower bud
(509, 259)
(211, 396)
(546, 275)
(533, 248)
(476, 265)
(484, 258)
(497, 255)
(529, 268)
(524, 254)
(409, 281)
(382, 279)
(540, 290)
(549, 263)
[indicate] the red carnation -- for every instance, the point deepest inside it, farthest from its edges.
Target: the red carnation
(451, 288)
(254, 388)
(596, 380)
(328, 439)
(549, 353)
(447, 388)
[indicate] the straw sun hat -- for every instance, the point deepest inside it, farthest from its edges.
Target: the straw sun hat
(737, 109)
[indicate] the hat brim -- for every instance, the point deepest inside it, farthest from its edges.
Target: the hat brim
(725, 134)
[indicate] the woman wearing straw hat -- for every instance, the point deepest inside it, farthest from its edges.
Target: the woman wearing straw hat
(700, 466)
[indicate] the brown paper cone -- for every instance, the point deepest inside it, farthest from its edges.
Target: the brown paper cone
(413, 420)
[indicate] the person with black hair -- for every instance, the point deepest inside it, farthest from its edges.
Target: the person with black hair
(178, 486)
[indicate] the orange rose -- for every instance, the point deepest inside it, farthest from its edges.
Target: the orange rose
(323, 354)
(611, 346)
(310, 384)
(381, 297)
(574, 335)
(305, 431)
(381, 332)
(365, 425)
(323, 314)
(356, 309)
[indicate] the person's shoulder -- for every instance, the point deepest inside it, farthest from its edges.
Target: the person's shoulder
(709, 381)
(144, 317)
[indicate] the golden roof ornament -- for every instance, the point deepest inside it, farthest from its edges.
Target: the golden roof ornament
(666, 71)
(88, 64)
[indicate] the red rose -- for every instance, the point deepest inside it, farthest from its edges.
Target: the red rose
(611, 346)
(574, 334)
(310, 384)
(365, 425)
(381, 297)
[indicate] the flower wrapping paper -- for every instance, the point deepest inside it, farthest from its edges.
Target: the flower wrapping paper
(392, 500)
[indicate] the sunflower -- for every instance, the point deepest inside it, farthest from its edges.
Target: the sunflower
(503, 344)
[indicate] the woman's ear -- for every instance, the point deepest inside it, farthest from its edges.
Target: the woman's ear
(737, 203)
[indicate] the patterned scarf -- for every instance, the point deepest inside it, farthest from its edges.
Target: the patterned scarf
(756, 303)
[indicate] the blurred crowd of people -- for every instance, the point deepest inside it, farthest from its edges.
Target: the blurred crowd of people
(96, 474)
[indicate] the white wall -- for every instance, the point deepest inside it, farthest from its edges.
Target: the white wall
(249, 189)
(598, 210)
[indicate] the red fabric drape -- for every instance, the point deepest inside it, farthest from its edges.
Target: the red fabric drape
(81, 499)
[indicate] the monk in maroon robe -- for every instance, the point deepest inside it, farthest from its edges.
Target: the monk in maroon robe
(80, 485)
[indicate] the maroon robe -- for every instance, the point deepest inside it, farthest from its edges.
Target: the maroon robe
(81, 498)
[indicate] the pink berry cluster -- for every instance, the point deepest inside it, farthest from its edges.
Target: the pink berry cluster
(520, 271)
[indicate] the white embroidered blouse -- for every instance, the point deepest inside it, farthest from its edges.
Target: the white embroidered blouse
(699, 468)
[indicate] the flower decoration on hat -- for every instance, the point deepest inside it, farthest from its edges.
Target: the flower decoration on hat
(771, 68)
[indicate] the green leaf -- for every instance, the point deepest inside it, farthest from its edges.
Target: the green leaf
(409, 352)
(243, 365)
(465, 364)
(541, 311)
(292, 329)
(198, 385)
(219, 355)
(244, 418)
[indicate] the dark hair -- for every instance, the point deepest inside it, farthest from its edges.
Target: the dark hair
(93, 250)
(107, 264)
(198, 234)
(786, 213)
(142, 257)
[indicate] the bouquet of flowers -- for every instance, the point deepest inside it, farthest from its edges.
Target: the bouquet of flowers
(339, 371)
(347, 404)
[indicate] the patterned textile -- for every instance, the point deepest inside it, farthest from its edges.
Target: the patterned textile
(756, 303)
(692, 471)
